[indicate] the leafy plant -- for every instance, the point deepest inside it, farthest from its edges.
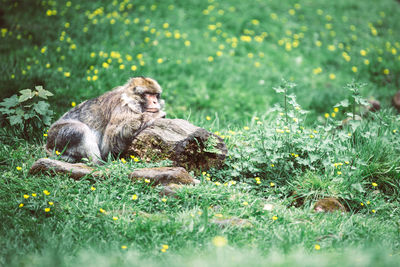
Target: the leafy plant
(27, 114)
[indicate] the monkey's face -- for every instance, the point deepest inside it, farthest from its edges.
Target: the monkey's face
(152, 103)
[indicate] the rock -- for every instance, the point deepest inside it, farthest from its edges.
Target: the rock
(231, 222)
(74, 170)
(328, 204)
(374, 105)
(396, 100)
(164, 176)
(186, 145)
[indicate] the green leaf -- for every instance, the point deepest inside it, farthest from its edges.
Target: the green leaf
(10, 102)
(41, 107)
(26, 94)
(15, 119)
(345, 103)
(358, 187)
(42, 93)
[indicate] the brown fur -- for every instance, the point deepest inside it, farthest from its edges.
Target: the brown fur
(106, 124)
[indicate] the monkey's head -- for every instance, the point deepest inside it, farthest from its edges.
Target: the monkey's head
(147, 92)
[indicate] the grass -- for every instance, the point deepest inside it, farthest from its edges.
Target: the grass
(218, 62)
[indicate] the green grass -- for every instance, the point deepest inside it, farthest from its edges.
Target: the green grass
(296, 156)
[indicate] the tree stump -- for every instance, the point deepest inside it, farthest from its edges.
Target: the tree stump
(184, 144)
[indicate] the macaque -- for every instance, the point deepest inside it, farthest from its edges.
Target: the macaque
(107, 124)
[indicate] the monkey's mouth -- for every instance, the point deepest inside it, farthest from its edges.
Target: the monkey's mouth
(152, 110)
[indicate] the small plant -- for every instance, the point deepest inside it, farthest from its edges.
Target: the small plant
(27, 114)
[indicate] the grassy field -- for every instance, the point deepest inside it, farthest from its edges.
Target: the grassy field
(227, 66)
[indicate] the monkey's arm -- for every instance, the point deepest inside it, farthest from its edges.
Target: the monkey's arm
(122, 129)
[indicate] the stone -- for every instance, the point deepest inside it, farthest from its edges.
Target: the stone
(396, 101)
(164, 176)
(74, 170)
(184, 144)
(329, 204)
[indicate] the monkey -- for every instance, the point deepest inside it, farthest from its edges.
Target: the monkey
(106, 125)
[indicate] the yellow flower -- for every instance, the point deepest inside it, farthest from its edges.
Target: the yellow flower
(164, 199)
(122, 66)
(373, 211)
(57, 152)
(147, 181)
(93, 188)
(94, 78)
(43, 50)
(366, 61)
(26, 196)
(354, 69)
(326, 115)
(187, 43)
(274, 218)
(336, 110)
(272, 165)
(73, 104)
(47, 209)
(21, 205)
(19, 168)
(386, 71)
(102, 211)
(105, 65)
(34, 194)
(124, 247)
(134, 197)
(362, 204)
(51, 203)
(46, 192)
(311, 136)
(160, 60)
(210, 59)
(208, 118)
(246, 128)
(123, 160)
(219, 241)
(332, 76)
(66, 25)
(333, 114)
(133, 68)
(363, 52)
(245, 203)
(374, 184)
(317, 247)
(368, 202)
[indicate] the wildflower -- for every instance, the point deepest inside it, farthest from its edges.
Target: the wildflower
(164, 199)
(219, 241)
(115, 218)
(93, 188)
(57, 152)
(123, 160)
(317, 247)
(147, 181)
(339, 172)
(272, 184)
(368, 202)
(354, 69)
(245, 203)
(19, 168)
(51, 203)
(312, 136)
(363, 52)
(46, 209)
(210, 59)
(332, 76)
(362, 204)
(333, 114)
(366, 61)
(26, 196)
(386, 71)
(73, 104)
(122, 66)
(124, 247)
(274, 218)
(94, 78)
(102, 211)
(133, 68)
(34, 194)
(336, 110)
(21, 205)
(208, 118)
(217, 183)
(326, 115)
(374, 184)
(246, 128)
(43, 50)
(105, 65)
(373, 211)
(46, 192)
